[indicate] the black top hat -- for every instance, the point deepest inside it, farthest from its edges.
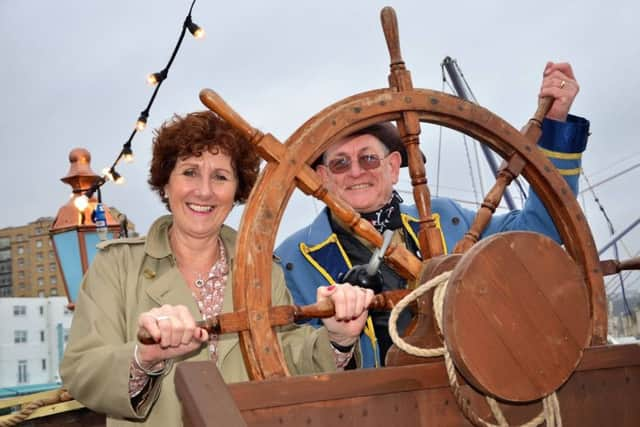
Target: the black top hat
(388, 134)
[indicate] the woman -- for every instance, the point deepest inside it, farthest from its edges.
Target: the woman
(180, 272)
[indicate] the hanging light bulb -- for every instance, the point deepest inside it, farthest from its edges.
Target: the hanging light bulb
(106, 172)
(194, 29)
(155, 78)
(142, 122)
(117, 178)
(127, 153)
(81, 202)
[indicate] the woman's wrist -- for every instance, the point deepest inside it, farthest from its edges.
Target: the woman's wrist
(153, 369)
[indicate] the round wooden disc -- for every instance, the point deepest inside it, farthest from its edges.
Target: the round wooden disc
(516, 316)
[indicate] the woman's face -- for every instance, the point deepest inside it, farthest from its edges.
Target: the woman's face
(201, 191)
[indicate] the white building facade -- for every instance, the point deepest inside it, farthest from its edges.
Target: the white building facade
(33, 334)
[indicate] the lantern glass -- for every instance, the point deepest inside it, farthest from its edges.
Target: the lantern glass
(75, 248)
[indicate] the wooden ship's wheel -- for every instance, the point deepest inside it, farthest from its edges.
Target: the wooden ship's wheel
(551, 298)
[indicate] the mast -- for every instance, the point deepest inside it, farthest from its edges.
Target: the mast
(461, 89)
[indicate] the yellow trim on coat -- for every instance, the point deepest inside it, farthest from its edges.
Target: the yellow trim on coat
(436, 219)
(559, 155)
(306, 250)
(370, 332)
(575, 171)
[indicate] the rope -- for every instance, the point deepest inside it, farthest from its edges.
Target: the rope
(17, 417)
(550, 404)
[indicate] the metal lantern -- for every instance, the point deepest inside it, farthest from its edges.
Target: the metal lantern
(76, 231)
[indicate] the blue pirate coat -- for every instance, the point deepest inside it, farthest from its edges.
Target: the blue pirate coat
(313, 256)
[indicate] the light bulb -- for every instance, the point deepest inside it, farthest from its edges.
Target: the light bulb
(106, 172)
(81, 202)
(199, 33)
(141, 124)
(117, 178)
(194, 29)
(127, 153)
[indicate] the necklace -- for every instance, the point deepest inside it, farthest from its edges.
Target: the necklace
(201, 278)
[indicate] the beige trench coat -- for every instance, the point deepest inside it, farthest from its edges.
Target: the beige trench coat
(131, 276)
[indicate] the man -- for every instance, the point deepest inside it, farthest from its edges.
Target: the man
(363, 168)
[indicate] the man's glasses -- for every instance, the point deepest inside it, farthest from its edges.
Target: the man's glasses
(343, 164)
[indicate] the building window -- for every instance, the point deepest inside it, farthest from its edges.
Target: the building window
(53, 280)
(19, 238)
(21, 275)
(38, 243)
(52, 267)
(41, 336)
(40, 268)
(19, 336)
(52, 255)
(40, 294)
(19, 310)
(38, 230)
(54, 292)
(39, 256)
(20, 262)
(20, 250)
(23, 375)
(44, 364)
(40, 281)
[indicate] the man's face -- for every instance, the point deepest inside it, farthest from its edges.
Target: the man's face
(366, 190)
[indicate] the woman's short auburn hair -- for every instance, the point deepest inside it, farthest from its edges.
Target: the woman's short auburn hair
(191, 135)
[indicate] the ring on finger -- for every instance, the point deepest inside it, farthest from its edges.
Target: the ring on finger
(159, 318)
(562, 84)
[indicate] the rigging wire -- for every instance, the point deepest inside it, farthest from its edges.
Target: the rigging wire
(609, 167)
(466, 146)
(473, 181)
(480, 180)
(612, 232)
(616, 175)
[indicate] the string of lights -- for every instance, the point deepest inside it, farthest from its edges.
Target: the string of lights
(126, 153)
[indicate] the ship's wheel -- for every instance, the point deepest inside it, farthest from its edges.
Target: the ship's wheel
(533, 261)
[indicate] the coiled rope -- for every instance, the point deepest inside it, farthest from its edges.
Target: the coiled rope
(550, 404)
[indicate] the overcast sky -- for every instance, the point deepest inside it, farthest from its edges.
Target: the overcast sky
(73, 75)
